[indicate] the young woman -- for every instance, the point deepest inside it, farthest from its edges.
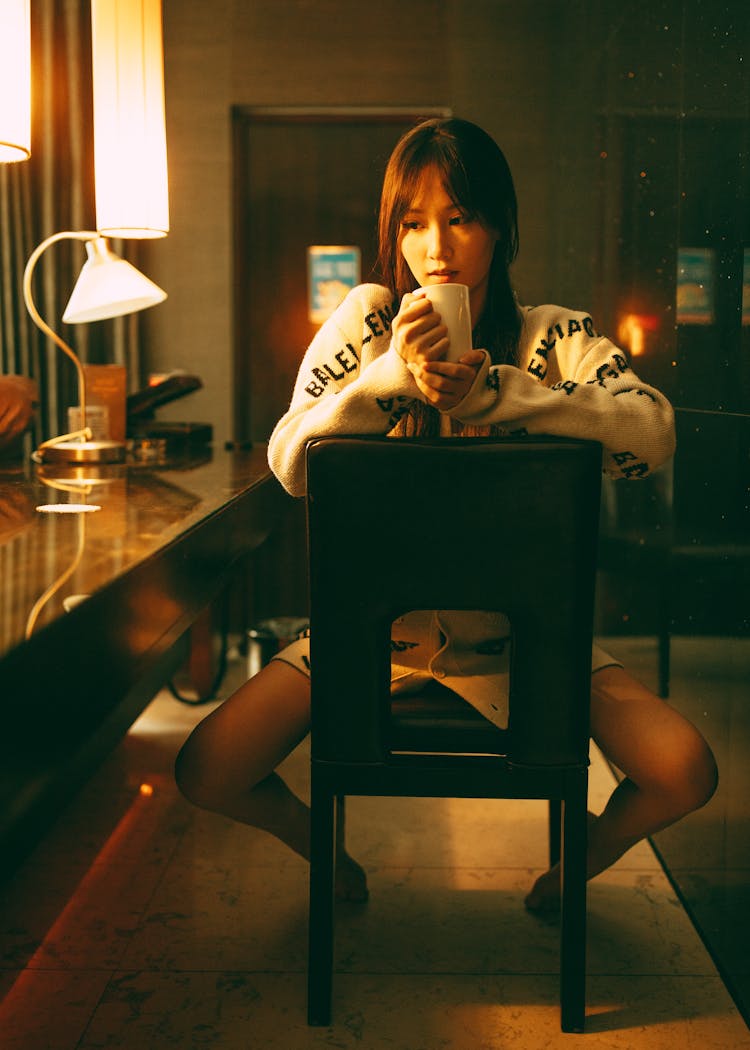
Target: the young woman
(448, 214)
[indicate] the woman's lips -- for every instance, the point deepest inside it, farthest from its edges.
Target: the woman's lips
(443, 276)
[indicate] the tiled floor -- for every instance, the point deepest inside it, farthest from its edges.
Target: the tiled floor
(141, 924)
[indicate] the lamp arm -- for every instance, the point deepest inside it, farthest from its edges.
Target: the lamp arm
(75, 235)
(58, 583)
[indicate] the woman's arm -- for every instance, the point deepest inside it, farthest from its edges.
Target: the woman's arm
(351, 381)
(574, 383)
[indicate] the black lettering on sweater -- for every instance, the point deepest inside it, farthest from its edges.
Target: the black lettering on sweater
(345, 363)
(629, 464)
(612, 369)
(372, 324)
(346, 358)
(396, 407)
(384, 317)
(538, 365)
(566, 385)
(538, 368)
(636, 470)
(636, 390)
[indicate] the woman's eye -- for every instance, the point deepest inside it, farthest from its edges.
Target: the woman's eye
(410, 224)
(458, 220)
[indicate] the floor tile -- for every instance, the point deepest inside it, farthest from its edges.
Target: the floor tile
(265, 1012)
(48, 1009)
(214, 916)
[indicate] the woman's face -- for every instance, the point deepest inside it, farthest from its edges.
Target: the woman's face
(442, 244)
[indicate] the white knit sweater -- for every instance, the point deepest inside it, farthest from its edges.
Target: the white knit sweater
(569, 381)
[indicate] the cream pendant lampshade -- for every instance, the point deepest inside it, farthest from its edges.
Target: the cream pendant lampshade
(130, 151)
(15, 80)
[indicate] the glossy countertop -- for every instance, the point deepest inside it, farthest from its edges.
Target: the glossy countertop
(51, 560)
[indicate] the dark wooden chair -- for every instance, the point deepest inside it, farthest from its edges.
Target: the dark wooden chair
(503, 524)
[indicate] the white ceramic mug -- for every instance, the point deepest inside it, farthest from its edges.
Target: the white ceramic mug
(452, 303)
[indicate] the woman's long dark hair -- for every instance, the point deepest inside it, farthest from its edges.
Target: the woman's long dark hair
(477, 177)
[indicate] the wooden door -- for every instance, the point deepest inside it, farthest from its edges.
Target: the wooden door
(301, 177)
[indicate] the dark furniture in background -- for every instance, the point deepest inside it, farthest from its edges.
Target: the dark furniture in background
(674, 549)
(469, 545)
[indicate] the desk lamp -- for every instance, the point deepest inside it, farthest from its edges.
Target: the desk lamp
(108, 286)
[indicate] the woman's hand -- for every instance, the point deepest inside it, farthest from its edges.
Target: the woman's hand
(445, 383)
(421, 339)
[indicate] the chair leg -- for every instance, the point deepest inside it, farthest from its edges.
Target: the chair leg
(321, 918)
(555, 830)
(340, 823)
(573, 906)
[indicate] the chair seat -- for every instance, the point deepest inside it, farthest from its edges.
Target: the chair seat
(437, 720)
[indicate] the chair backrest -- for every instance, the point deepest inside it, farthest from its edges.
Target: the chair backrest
(493, 524)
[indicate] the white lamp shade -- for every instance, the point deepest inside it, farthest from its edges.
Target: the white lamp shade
(109, 286)
(15, 80)
(130, 147)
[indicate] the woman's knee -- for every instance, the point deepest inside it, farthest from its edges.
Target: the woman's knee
(652, 743)
(695, 774)
(192, 776)
(244, 739)
(685, 776)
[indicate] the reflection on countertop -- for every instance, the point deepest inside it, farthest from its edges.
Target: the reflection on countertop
(51, 560)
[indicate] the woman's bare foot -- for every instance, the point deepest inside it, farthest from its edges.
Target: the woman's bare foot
(544, 896)
(351, 880)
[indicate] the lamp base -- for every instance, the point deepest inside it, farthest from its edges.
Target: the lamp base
(82, 452)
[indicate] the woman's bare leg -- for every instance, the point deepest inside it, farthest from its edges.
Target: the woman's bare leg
(227, 765)
(668, 766)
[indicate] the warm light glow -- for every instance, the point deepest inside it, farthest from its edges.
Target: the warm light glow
(631, 332)
(146, 789)
(67, 508)
(130, 148)
(15, 80)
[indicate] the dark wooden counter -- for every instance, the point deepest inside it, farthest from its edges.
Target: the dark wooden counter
(96, 607)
